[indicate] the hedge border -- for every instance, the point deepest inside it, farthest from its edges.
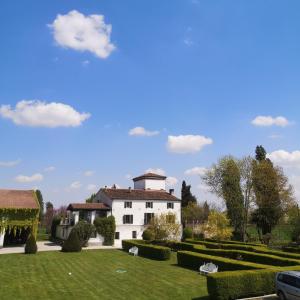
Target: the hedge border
(147, 250)
(253, 257)
(243, 284)
(193, 260)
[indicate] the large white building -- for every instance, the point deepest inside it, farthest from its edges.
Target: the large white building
(132, 208)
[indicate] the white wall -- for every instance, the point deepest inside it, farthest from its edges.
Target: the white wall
(152, 184)
(138, 210)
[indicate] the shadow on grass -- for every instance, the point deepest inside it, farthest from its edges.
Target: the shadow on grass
(201, 298)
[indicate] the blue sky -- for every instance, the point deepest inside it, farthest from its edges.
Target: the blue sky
(209, 77)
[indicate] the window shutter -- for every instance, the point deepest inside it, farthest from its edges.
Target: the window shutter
(124, 220)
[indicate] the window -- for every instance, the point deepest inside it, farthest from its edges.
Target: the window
(117, 235)
(170, 219)
(149, 204)
(128, 219)
(147, 218)
(134, 234)
(127, 204)
(170, 205)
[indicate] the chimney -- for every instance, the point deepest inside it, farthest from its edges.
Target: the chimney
(171, 191)
(129, 189)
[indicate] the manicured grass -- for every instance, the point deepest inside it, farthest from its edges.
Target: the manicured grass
(94, 276)
(281, 233)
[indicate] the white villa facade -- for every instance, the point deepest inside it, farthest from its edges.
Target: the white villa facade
(132, 208)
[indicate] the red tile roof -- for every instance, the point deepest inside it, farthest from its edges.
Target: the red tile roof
(18, 199)
(88, 206)
(150, 176)
(127, 194)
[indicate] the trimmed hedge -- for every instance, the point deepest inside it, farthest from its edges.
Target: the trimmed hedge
(147, 250)
(235, 243)
(247, 248)
(243, 284)
(291, 249)
(194, 260)
(259, 258)
(174, 245)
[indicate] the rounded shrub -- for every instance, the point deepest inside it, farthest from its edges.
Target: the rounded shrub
(84, 231)
(31, 247)
(187, 233)
(72, 244)
(148, 235)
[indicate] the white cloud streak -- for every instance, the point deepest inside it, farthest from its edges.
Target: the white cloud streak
(184, 144)
(36, 113)
(29, 179)
(268, 121)
(141, 131)
(10, 164)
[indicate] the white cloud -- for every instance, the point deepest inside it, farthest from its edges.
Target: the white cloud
(285, 159)
(28, 179)
(275, 136)
(200, 171)
(85, 63)
(75, 185)
(91, 187)
(50, 169)
(183, 144)
(10, 164)
(37, 113)
(141, 131)
(267, 121)
(83, 33)
(171, 181)
(88, 173)
(157, 171)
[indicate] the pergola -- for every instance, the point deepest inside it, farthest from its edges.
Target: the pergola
(19, 212)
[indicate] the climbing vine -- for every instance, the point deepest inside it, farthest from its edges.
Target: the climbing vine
(12, 219)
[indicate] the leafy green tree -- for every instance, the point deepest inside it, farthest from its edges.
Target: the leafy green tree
(218, 226)
(84, 231)
(106, 227)
(41, 203)
(186, 195)
(260, 153)
(90, 199)
(224, 179)
(273, 194)
(195, 213)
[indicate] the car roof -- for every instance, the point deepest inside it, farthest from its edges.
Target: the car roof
(293, 273)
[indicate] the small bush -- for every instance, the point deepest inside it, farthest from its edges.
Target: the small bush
(194, 260)
(55, 222)
(147, 250)
(72, 244)
(31, 247)
(84, 231)
(106, 227)
(187, 233)
(148, 235)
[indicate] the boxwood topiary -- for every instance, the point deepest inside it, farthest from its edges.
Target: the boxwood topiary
(187, 233)
(31, 247)
(148, 235)
(72, 244)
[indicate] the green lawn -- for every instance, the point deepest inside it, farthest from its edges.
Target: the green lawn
(94, 276)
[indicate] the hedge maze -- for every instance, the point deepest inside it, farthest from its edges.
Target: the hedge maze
(245, 270)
